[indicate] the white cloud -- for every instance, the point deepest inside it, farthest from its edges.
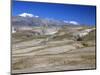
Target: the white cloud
(36, 16)
(71, 22)
(26, 15)
(74, 22)
(66, 21)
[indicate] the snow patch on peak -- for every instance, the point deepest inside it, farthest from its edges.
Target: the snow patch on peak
(26, 15)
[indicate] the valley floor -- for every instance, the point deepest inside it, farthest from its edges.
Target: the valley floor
(38, 56)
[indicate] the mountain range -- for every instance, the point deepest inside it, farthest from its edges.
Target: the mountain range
(26, 19)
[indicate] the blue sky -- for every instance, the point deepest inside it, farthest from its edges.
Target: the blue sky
(79, 13)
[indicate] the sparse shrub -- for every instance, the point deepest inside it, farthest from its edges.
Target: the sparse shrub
(85, 44)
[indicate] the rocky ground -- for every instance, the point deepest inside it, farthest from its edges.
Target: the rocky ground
(52, 53)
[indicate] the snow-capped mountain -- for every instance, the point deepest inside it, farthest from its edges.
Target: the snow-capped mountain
(27, 15)
(27, 19)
